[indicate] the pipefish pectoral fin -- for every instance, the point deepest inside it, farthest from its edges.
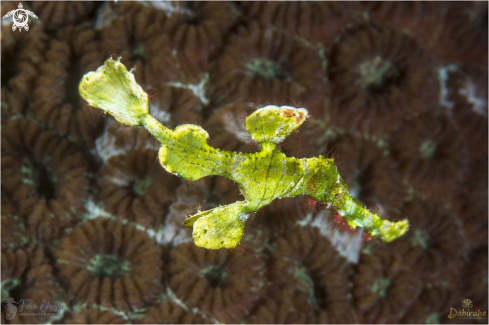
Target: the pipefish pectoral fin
(221, 227)
(187, 152)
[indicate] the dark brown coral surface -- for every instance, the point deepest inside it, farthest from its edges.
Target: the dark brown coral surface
(92, 225)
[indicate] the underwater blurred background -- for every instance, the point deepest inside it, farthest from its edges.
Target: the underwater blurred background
(398, 94)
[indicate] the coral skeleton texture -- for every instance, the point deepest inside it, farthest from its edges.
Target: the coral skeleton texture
(398, 95)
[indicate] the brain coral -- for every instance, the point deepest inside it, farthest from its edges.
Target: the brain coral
(133, 189)
(220, 284)
(309, 277)
(110, 264)
(45, 177)
(26, 272)
(63, 13)
(304, 19)
(398, 94)
(466, 100)
(95, 316)
(434, 246)
(381, 289)
(424, 148)
(379, 75)
(264, 66)
(25, 54)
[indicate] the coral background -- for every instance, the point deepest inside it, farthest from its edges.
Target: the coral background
(398, 94)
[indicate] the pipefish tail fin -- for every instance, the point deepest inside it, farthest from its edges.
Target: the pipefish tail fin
(358, 216)
(113, 89)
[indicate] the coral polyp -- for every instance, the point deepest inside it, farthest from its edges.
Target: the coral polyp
(377, 73)
(44, 174)
(422, 149)
(382, 75)
(217, 283)
(381, 291)
(310, 277)
(303, 19)
(264, 66)
(117, 267)
(132, 189)
(266, 69)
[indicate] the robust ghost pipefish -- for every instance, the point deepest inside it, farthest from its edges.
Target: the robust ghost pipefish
(262, 176)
